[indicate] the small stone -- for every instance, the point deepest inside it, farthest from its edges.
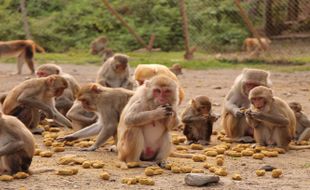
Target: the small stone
(198, 179)
(267, 168)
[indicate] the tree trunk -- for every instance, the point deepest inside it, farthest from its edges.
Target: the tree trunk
(268, 18)
(292, 10)
(25, 19)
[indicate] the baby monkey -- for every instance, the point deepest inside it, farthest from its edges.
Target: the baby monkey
(198, 120)
(302, 122)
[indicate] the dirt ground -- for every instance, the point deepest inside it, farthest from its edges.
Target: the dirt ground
(213, 83)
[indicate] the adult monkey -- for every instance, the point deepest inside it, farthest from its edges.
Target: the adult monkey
(24, 50)
(143, 130)
(26, 99)
(108, 104)
(147, 71)
(65, 101)
(16, 146)
(115, 73)
(236, 101)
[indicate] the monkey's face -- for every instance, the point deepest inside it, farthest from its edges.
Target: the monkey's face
(258, 102)
(44, 73)
(59, 87)
(162, 95)
(120, 67)
(296, 107)
(248, 86)
(203, 109)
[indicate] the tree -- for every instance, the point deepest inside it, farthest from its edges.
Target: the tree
(25, 19)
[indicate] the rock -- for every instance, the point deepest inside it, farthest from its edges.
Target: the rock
(199, 179)
(267, 168)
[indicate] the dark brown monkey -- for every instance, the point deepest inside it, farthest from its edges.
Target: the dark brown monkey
(236, 101)
(115, 73)
(64, 102)
(16, 146)
(143, 130)
(26, 99)
(108, 104)
(176, 69)
(302, 122)
(24, 50)
(198, 120)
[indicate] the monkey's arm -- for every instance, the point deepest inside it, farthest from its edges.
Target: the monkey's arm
(189, 117)
(231, 106)
(304, 121)
(78, 113)
(12, 142)
(305, 135)
(277, 119)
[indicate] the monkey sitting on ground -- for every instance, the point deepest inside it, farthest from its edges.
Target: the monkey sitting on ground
(24, 50)
(302, 122)
(115, 73)
(198, 120)
(236, 101)
(147, 71)
(143, 130)
(108, 104)
(176, 69)
(252, 45)
(99, 47)
(64, 102)
(26, 99)
(16, 146)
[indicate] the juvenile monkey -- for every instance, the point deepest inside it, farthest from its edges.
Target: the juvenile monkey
(24, 50)
(26, 99)
(143, 130)
(115, 73)
(273, 120)
(198, 119)
(302, 122)
(99, 47)
(252, 45)
(176, 69)
(236, 101)
(147, 71)
(108, 104)
(16, 146)
(64, 102)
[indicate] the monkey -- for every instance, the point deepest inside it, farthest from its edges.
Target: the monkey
(198, 120)
(236, 101)
(143, 129)
(147, 71)
(26, 99)
(64, 102)
(302, 122)
(99, 47)
(16, 146)
(115, 73)
(176, 69)
(108, 104)
(24, 50)
(252, 45)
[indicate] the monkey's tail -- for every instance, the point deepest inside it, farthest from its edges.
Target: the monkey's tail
(41, 170)
(39, 49)
(294, 147)
(180, 155)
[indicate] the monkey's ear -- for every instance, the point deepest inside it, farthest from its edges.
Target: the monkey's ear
(193, 103)
(50, 80)
(94, 88)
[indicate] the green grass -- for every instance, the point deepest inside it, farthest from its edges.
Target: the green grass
(201, 61)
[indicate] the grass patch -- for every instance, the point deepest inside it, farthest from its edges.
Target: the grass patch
(202, 60)
(306, 165)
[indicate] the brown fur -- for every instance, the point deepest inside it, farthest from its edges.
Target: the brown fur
(302, 122)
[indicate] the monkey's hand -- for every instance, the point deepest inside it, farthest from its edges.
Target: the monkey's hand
(238, 113)
(91, 148)
(67, 138)
(163, 111)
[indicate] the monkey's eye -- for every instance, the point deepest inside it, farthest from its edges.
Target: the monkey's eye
(156, 91)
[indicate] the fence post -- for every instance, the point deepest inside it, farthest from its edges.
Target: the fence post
(25, 19)
(131, 31)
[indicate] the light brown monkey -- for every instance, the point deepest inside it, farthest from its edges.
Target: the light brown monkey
(273, 120)
(115, 73)
(64, 102)
(99, 47)
(143, 130)
(302, 122)
(16, 146)
(26, 99)
(198, 120)
(233, 119)
(24, 50)
(252, 45)
(147, 71)
(176, 69)
(108, 104)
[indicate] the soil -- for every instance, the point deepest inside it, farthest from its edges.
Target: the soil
(213, 83)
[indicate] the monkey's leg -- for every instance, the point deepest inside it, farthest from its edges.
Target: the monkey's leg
(281, 137)
(29, 54)
(165, 147)
(20, 63)
(91, 130)
(305, 135)
(35, 122)
(261, 135)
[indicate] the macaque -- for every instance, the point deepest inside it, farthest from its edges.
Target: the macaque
(108, 104)
(16, 146)
(252, 45)
(143, 130)
(99, 47)
(147, 71)
(236, 101)
(198, 120)
(64, 102)
(302, 122)
(272, 119)
(26, 99)
(115, 73)
(176, 69)
(24, 50)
